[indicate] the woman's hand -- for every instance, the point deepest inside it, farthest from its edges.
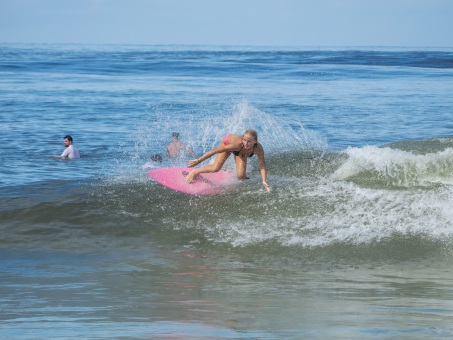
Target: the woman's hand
(268, 188)
(192, 163)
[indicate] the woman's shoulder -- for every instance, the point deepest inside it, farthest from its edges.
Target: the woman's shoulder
(258, 147)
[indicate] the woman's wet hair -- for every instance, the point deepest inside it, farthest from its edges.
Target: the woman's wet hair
(252, 133)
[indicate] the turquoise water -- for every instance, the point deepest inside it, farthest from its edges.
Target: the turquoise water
(354, 241)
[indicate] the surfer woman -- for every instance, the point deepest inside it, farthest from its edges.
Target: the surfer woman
(241, 147)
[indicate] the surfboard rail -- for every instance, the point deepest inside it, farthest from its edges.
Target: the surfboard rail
(204, 184)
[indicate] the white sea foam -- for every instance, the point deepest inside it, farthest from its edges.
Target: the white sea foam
(332, 212)
(397, 167)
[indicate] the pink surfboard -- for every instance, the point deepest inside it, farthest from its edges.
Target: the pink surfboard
(203, 184)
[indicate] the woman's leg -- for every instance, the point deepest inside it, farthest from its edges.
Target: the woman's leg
(241, 167)
(216, 166)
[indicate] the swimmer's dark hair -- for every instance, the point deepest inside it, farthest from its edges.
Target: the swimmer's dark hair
(156, 157)
(68, 137)
(175, 135)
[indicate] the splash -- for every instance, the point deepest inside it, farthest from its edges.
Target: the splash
(203, 128)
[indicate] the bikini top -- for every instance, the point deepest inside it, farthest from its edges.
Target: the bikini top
(236, 153)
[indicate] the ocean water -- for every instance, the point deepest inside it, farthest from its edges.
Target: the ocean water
(354, 240)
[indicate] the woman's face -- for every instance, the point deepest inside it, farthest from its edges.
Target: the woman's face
(248, 141)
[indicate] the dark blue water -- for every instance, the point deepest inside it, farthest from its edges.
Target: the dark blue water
(354, 241)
